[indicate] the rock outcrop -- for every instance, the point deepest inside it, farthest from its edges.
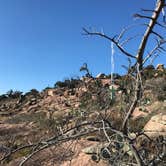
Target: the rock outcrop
(156, 126)
(160, 67)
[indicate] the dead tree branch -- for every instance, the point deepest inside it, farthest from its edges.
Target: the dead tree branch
(140, 55)
(155, 50)
(110, 39)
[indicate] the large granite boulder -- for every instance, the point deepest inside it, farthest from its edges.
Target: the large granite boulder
(160, 67)
(156, 126)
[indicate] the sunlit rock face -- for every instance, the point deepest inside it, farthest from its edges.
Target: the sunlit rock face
(160, 67)
(156, 126)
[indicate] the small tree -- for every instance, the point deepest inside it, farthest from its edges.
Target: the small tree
(84, 67)
(13, 94)
(139, 59)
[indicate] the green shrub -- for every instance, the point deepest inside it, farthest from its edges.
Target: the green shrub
(115, 76)
(68, 83)
(85, 68)
(158, 87)
(2, 97)
(34, 91)
(13, 94)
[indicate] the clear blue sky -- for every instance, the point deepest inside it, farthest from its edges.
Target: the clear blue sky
(41, 40)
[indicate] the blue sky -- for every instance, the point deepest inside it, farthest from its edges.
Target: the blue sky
(41, 40)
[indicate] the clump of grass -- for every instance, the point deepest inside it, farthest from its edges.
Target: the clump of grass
(22, 118)
(158, 87)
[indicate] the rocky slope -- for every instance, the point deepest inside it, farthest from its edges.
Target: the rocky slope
(36, 116)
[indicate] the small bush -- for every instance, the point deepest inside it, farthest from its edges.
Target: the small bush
(34, 91)
(68, 83)
(2, 97)
(115, 76)
(13, 94)
(60, 84)
(158, 87)
(85, 68)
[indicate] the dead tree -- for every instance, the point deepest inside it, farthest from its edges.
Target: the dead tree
(140, 58)
(119, 137)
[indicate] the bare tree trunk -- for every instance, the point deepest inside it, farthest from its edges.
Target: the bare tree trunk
(149, 30)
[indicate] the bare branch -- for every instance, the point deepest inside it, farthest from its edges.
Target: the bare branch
(163, 49)
(163, 26)
(147, 10)
(148, 31)
(128, 39)
(141, 16)
(14, 151)
(124, 30)
(110, 39)
(105, 131)
(31, 155)
(132, 107)
(129, 142)
(155, 50)
(140, 54)
(155, 33)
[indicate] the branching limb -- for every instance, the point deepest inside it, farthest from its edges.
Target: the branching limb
(140, 54)
(16, 150)
(147, 10)
(124, 30)
(128, 39)
(148, 31)
(31, 155)
(155, 50)
(162, 26)
(132, 107)
(158, 35)
(142, 16)
(110, 39)
(130, 144)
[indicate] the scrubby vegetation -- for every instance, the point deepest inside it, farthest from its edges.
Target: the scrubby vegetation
(68, 83)
(117, 121)
(89, 102)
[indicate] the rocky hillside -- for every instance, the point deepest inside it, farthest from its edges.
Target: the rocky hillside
(33, 117)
